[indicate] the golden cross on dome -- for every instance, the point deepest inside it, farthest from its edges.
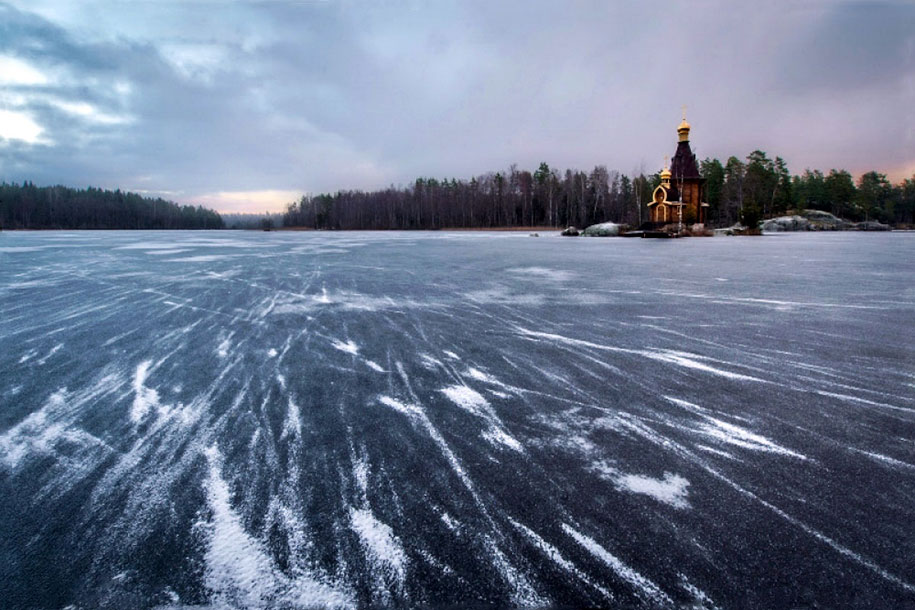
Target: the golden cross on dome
(665, 160)
(684, 111)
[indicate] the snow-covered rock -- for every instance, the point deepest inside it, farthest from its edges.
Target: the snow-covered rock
(570, 232)
(604, 229)
(735, 229)
(786, 223)
(871, 225)
(824, 221)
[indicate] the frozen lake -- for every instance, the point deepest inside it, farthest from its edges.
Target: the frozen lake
(288, 420)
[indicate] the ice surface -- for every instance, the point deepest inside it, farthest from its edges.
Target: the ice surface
(434, 419)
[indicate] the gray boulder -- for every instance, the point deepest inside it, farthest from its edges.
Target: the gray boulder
(570, 232)
(604, 229)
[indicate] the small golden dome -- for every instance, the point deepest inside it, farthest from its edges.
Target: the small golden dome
(665, 174)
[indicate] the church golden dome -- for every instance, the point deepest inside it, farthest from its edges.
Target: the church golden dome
(683, 130)
(665, 173)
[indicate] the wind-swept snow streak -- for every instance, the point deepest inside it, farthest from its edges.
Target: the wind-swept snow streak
(383, 547)
(556, 557)
(644, 588)
(473, 402)
(669, 356)
(346, 346)
(732, 434)
(522, 592)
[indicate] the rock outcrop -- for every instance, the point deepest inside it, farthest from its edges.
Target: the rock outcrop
(786, 223)
(570, 232)
(736, 229)
(871, 225)
(824, 221)
(604, 229)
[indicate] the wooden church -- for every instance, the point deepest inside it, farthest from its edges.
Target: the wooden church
(679, 196)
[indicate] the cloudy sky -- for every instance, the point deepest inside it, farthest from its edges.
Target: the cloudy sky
(244, 106)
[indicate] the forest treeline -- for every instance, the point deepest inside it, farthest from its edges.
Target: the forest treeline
(26, 206)
(757, 187)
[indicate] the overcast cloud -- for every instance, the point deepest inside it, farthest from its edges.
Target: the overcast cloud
(244, 106)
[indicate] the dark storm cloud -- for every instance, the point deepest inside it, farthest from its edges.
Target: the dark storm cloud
(225, 102)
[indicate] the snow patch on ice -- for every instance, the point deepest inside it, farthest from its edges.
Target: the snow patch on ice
(349, 346)
(375, 366)
(731, 434)
(53, 351)
(847, 397)
(500, 295)
(680, 359)
(714, 451)
(689, 406)
(401, 407)
(741, 437)
(361, 475)
(238, 568)
(147, 400)
(473, 402)
(683, 359)
(498, 436)
(466, 398)
(381, 545)
(429, 362)
(203, 258)
(14, 249)
(542, 273)
(144, 398)
(165, 252)
(479, 375)
(293, 424)
(223, 349)
(449, 522)
(672, 489)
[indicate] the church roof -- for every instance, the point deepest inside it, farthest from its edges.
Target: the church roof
(684, 165)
